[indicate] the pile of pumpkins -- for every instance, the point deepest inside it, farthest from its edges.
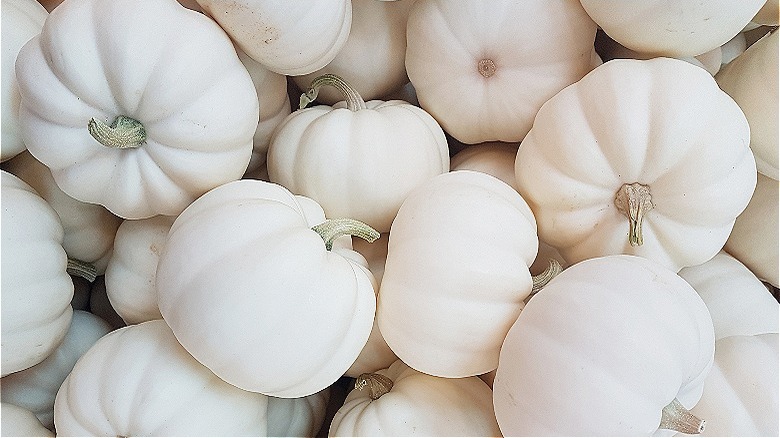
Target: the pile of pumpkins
(389, 218)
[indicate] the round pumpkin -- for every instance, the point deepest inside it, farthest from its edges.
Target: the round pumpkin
(643, 157)
(18, 421)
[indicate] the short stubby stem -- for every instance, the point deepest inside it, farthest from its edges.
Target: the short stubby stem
(378, 384)
(486, 67)
(539, 281)
(675, 416)
(351, 96)
(124, 132)
(332, 229)
(634, 201)
(85, 270)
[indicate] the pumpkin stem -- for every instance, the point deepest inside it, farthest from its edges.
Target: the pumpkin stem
(351, 96)
(486, 67)
(124, 132)
(675, 416)
(634, 201)
(541, 280)
(378, 384)
(332, 229)
(85, 270)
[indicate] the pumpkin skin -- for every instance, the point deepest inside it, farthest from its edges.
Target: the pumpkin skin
(358, 163)
(89, 228)
(36, 387)
(138, 380)
(638, 121)
(493, 158)
(621, 336)
(483, 70)
(36, 288)
(131, 271)
(418, 405)
(372, 59)
(740, 305)
(198, 131)
(18, 421)
(297, 417)
(657, 26)
(753, 241)
(21, 21)
(288, 38)
(305, 312)
(752, 81)
(456, 273)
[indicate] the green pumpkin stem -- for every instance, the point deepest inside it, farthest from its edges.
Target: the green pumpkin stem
(351, 96)
(332, 229)
(676, 417)
(634, 201)
(378, 384)
(124, 132)
(85, 270)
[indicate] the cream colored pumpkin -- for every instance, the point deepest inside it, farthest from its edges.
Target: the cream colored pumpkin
(138, 380)
(753, 241)
(251, 291)
(36, 387)
(131, 271)
(297, 417)
(456, 273)
(372, 59)
(360, 161)
(18, 421)
(483, 69)
(36, 288)
(672, 27)
(493, 158)
(604, 348)
(89, 228)
(289, 38)
(752, 81)
(740, 395)
(21, 21)
(644, 157)
(738, 302)
(139, 112)
(399, 401)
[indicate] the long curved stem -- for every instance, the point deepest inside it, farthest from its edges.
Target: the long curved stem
(85, 270)
(351, 96)
(332, 229)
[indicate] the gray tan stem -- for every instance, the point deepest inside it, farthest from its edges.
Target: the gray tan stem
(378, 384)
(541, 280)
(634, 201)
(85, 270)
(124, 132)
(332, 229)
(351, 96)
(675, 416)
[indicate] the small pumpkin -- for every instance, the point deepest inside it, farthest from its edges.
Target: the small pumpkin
(612, 346)
(18, 421)
(138, 380)
(305, 312)
(360, 161)
(399, 401)
(36, 288)
(456, 273)
(131, 134)
(287, 38)
(626, 161)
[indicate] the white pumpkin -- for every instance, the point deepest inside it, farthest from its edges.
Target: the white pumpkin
(139, 112)
(399, 401)
(753, 241)
(297, 417)
(493, 158)
(372, 59)
(740, 395)
(672, 27)
(752, 81)
(644, 157)
(456, 273)
(289, 38)
(483, 69)
(251, 290)
(21, 21)
(36, 387)
(89, 228)
(138, 381)
(737, 300)
(131, 271)
(18, 421)
(602, 350)
(36, 288)
(360, 161)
